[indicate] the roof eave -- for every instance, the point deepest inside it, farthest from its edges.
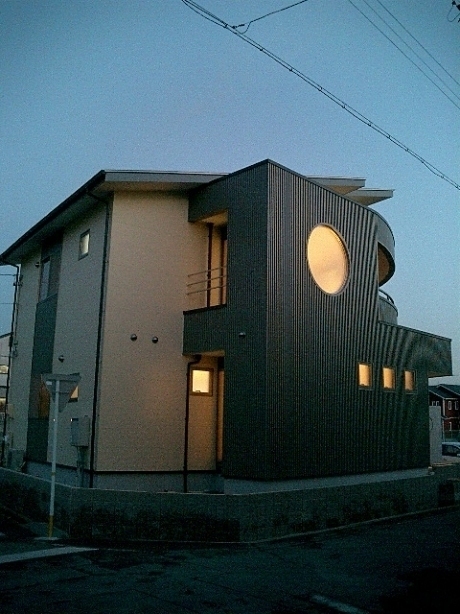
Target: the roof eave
(100, 186)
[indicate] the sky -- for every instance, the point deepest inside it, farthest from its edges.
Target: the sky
(149, 84)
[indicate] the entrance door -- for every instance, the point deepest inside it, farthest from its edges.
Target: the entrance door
(206, 410)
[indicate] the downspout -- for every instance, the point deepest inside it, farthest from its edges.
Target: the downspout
(209, 265)
(195, 361)
(97, 368)
(10, 352)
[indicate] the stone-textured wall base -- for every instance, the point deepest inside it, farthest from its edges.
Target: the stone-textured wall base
(93, 513)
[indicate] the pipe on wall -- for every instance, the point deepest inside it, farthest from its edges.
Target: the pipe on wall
(8, 376)
(92, 448)
(195, 361)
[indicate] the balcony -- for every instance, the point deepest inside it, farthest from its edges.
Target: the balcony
(388, 311)
(207, 288)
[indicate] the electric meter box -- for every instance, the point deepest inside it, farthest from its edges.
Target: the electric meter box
(79, 432)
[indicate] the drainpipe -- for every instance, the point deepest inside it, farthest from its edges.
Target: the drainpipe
(8, 376)
(99, 339)
(209, 271)
(195, 361)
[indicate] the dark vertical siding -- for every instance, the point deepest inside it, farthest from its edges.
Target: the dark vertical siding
(293, 407)
(42, 357)
(239, 328)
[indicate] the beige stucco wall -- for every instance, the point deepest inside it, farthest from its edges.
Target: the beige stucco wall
(77, 323)
(21, 362)
(143, 392)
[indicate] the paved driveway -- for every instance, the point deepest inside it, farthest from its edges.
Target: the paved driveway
(405, 566)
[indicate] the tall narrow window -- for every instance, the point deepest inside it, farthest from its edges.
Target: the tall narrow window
(45, 269)
(389, 380)
(84, 244)
(364, 375)
(409, 381)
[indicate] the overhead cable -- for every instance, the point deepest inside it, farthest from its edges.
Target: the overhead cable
(285, 8)
(405, 54)
(362, 118)
(418, 43)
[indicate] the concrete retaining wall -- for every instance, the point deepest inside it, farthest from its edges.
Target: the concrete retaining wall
(92, 513)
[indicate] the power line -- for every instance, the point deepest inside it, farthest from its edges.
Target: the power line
(457, 6)
(285, 8)
(405, 54)
(418, 42)
(362, 118)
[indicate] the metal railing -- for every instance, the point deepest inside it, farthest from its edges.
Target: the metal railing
(386, 297)
(209, 285)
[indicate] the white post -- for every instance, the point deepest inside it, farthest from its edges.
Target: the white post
(54, 454)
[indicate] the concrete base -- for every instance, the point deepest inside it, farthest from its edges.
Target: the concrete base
(205, 517)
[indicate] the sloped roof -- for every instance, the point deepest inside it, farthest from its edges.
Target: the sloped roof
(89, 195)
(443, 392)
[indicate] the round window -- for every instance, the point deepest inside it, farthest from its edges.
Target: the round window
(327, 259)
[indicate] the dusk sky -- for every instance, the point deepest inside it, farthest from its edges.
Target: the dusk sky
(149, 84)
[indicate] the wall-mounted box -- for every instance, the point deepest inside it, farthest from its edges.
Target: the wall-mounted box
(79, 431)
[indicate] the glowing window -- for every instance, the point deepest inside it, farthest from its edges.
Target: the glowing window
(327, 259)
(389, 380)
(364, 375)
(84, 245)
(201, 382)
(3, 369)
(409, 381)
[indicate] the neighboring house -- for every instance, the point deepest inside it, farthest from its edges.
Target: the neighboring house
(4, 366)
(156, 287)
(447, 397)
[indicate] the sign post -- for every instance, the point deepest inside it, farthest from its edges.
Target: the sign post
(60, 388)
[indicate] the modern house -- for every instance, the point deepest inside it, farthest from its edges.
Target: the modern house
(447, 397)
(230, 332)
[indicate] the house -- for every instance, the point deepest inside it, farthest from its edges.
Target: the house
(447, 397)
(230, 332)
(4, 367)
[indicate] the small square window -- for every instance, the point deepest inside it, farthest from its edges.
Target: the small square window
(409, 381)
(364, 375)
(389, 380)
(84, 245)
(201, 382)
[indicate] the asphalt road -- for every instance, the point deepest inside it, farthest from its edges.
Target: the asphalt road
(410, 565)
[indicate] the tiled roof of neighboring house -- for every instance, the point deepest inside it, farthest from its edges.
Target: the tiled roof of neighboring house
(437, 391)
(451, 388)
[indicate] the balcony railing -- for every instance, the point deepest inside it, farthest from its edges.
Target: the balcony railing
(207, 288)
(387, 308)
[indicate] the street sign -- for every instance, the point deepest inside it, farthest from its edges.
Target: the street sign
(63, 385)
(60, 388)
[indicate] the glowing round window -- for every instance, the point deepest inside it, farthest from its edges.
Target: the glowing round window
(327, 259)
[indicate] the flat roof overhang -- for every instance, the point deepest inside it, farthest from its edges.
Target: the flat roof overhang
(368, 196)
(100, 187)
